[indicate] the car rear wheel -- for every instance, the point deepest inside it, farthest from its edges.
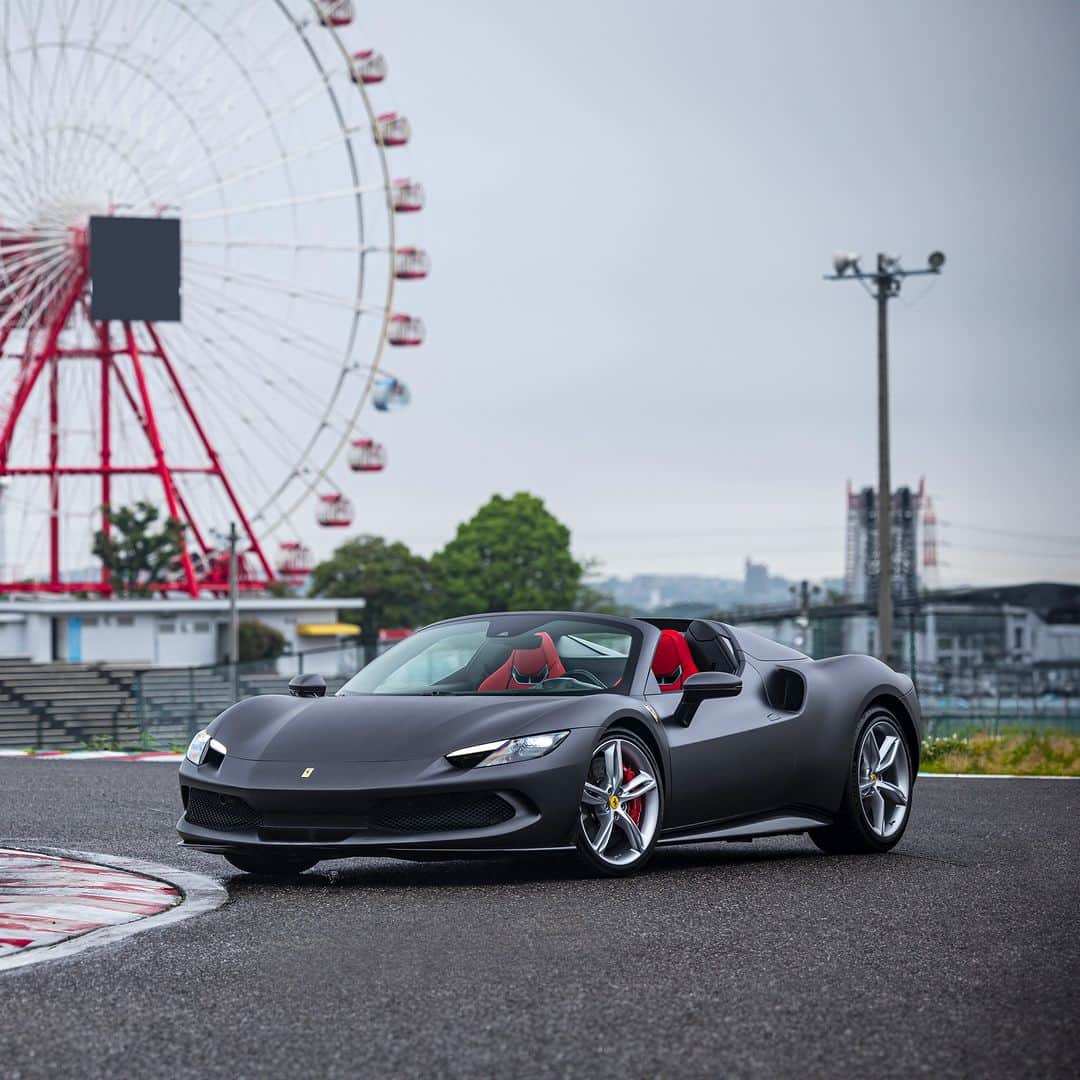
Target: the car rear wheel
(622, 806)
(877, 798)
(270, 864)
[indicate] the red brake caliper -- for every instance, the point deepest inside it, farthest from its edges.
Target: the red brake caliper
(633, 806)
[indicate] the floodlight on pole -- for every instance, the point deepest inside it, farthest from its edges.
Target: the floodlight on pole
(844, 261)
(887, 280)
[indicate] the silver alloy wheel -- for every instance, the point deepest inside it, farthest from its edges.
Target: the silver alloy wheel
(884, 778)
(620, 805)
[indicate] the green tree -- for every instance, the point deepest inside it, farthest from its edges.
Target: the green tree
(136, 554)
(397, 585)
(512, 555)
(258, 641)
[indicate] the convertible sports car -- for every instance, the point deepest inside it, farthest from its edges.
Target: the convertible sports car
(543, 731)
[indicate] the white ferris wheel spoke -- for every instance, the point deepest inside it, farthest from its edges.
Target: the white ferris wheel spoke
(242, 119)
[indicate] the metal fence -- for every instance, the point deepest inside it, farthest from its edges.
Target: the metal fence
(171, 704)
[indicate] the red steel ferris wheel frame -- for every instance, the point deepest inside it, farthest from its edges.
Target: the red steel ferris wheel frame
(210, 571)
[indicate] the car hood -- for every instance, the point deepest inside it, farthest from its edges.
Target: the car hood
(384, 727)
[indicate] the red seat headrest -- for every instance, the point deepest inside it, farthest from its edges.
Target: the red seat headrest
(527, 667)
(672, 662)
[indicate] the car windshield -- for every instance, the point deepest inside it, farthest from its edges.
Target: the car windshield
(506, 654)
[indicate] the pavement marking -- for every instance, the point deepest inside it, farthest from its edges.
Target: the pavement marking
(55, 902)
(990, 776)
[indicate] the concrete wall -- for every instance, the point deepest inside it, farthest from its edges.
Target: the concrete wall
(13, 635)
(186, 639)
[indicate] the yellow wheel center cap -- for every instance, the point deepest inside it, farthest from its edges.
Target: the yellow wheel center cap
(613, 802)
(873, 776)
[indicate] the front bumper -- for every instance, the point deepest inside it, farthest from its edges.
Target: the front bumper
(353, 808)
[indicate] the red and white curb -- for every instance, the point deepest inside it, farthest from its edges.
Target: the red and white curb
(93, 755)
(56, 903)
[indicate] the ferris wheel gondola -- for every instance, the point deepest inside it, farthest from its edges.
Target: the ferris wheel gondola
(390, 394)
(366, 455)
(335, 510)
(247, 129)
(295, 561)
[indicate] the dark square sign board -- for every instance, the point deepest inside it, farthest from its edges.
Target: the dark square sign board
(135, 269)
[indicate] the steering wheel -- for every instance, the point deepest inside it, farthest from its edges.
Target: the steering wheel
(581, 675)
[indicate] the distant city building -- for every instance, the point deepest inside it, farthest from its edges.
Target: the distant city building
(756, 582)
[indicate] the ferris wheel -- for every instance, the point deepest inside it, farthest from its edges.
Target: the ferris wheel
(199, 261)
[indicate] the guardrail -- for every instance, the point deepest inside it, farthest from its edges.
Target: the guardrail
(171, 704)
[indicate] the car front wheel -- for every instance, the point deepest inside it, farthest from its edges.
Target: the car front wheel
(622, 806)
(877, 797)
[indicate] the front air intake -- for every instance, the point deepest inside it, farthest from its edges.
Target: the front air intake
(441, 813)
(222, 813)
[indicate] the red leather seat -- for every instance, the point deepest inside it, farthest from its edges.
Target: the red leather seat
(526, 667)
(672, 662)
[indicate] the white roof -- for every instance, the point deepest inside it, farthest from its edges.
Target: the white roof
(183, 606)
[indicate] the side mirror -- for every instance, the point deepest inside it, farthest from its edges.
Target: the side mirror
(703, 686)
(307, 686)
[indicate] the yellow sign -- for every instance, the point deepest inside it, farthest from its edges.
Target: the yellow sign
(306, 773)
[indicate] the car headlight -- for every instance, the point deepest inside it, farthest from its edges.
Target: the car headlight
(202, 744)
(502, 753)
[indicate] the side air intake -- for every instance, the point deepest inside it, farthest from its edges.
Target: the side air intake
(785, 689)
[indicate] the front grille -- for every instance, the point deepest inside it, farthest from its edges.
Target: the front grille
(222, 813)
(441, 813)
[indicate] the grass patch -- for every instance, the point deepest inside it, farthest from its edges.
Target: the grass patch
(1021, 753)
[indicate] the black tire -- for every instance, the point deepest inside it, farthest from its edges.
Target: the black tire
(585, 851)
(851, 833)
(270, 863)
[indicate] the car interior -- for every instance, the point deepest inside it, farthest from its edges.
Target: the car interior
(680, 653)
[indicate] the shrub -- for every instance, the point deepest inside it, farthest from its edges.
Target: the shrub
(259, 641)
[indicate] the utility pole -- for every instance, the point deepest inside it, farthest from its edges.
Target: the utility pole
(4, 485)
(884, 511)
(886, 280)
(234, 610)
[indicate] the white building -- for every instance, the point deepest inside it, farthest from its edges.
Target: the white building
(169, 633)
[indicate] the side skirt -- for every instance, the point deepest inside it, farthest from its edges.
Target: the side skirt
(771, 825)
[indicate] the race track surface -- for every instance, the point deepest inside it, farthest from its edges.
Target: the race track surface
(957, 955)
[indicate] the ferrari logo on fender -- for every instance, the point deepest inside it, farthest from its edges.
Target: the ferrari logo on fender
(306, 773)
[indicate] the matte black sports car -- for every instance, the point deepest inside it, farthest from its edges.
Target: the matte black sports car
(545, 731)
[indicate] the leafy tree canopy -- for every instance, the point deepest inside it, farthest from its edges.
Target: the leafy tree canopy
(512, 555)
(397, 585)
(136, 554)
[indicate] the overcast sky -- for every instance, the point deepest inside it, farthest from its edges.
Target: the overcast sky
(630, 209)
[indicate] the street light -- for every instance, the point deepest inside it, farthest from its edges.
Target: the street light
(886, 281)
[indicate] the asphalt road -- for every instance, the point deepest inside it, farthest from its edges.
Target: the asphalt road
(956, 955)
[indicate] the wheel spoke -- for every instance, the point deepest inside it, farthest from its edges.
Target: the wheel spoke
(891, 793)
(594, 795)
(874, 751)
(869, 755)
(633, 833)
(636, 787)
(877, 813)
(603, 835)
(613, 766)
(887, 752)
(866, 786)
